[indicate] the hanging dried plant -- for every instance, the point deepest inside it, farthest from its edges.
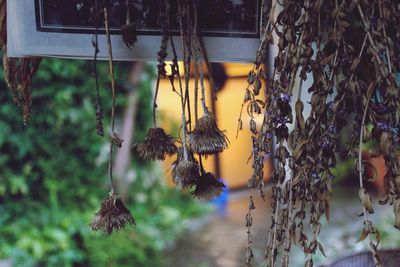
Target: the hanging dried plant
(112, 216)
(18, 72)
(349, 49)
(185, 174)
(95, 44)
(128, 30)
(207, 187)
(206, 138)
(185, 169)
(156, 145)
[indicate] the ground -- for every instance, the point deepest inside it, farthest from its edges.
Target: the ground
(219, 240)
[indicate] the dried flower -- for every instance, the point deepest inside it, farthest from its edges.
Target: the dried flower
(156, 145)
(208, 187)
(112, 216)
(206, 138)
(185, 173)
(129, 34)
(366, 200)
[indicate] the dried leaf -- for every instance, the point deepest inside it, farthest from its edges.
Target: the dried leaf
(365, 199)
(321, 249)
(363, 235)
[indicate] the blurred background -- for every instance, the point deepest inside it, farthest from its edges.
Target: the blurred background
(53, 178)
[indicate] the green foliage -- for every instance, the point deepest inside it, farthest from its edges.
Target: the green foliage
(53, 176)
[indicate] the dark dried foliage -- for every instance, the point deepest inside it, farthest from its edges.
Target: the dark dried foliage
(156, 145)
(208, 187)
(206, 138)
(351, 50)
(185, 173)
(112, 216)
(129, 34)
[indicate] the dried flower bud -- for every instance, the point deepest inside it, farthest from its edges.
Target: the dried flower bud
(185, 174)
(247, 96)
(129, 34)
(249, 220)
(251, 204)
(257, 86)
(365, 199)
(206, 138)
(253, 126)
(156, 145)
(112, 216)
(251, 77)
(208, 187)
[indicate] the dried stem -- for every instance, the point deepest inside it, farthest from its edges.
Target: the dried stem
(95, 43)
(367, 222)
(111, 71)
(155, 101)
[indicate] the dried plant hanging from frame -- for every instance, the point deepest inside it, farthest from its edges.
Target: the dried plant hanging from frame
(113, 214)
(350, 49)
(18, 72)
(157, 144)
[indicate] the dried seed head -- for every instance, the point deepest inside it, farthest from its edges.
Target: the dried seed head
(208, 187)
(112, 216)
(156, 145)
(206, 138)
(185, 173)
(129, 34)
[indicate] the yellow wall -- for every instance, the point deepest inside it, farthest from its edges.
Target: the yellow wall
(234, 166)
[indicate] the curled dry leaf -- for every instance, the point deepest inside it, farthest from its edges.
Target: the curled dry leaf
(365, 199)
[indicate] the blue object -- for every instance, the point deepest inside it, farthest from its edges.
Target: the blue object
(221, 201)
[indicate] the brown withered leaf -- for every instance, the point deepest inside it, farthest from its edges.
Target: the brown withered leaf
(363, 235)
(365, 200)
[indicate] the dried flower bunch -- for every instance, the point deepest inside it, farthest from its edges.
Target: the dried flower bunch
(206, 138)
(207, 186)
(156, 145)
(350, 52)
(112, 216)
